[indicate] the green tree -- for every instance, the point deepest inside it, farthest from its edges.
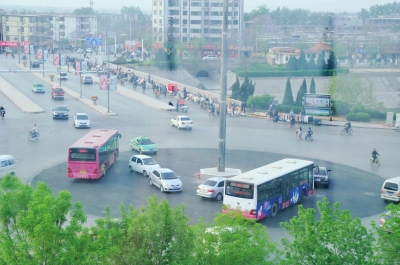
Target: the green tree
(261, 102)
(311, 63)
(131, 10)
(332, 62)
(336, 238)
(288, 96)
(300, 94)
(292, 63)
(219, 242)
(153, 234)
(83, 11)
(198, 44)
(236, 88)
(312, 86)
(39, 228)
(245, 90)
(302, 63)
(320, 62)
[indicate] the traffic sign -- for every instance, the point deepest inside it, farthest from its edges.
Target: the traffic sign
(94, 41)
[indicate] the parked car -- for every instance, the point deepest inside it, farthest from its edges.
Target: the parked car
(182, 122)
(79, 50)
(391, 189)
(62, 75)
(322, 176)
(38, 88)
(60, 112)
(87, 80)
(165, 179)
(35, 64)
(142, 164)
(210, 57)
(57, 93)
(143, 144)
(212, 188)
(81, 120)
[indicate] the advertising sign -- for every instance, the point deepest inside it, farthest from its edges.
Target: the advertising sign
(84, 67)
(77, 68)
(39, 54)
(103, 82)
(317, 104)
(63, 60)
(113, 83)
(56, 59)
(26, 49)
(32, 50)
(45, 54)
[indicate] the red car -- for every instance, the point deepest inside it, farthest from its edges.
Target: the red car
(57, 93)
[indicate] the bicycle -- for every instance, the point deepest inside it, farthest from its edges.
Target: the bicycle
(33, 135)
(308, 137)
(349, 131)
(375, 162)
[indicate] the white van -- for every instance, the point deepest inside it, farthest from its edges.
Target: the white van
(7, 165)
(391, 190)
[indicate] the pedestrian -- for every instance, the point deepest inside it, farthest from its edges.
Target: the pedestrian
(148, 78)
(303, 114)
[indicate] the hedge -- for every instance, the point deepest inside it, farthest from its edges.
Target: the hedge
(376, 114)
(260, 102)
(358, 116)
(279, 73)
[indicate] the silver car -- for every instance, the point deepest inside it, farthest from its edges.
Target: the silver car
(212, 188)
(165, 179)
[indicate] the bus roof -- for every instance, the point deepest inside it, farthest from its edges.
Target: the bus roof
(271, 171)
(94, 138)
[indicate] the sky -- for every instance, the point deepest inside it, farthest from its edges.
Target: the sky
(145, 5)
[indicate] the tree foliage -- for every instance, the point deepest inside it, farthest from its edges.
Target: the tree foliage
(336, 238)
(260, 102)
(320, 62)
(312, 86)
(332, 62)
(288, 96)
(245, 90)
(380, 10)
(300, 94)
(83, 11)
(351, 89)
(131, 10)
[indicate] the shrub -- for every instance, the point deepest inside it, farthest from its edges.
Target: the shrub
(376, 114)
(261, 102)
(281, 73)
(286, 108)
(351, 116)
(120, 60)
(359, 116)
(340, 107)
(357, 108)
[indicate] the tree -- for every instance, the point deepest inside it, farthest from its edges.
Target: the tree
(336, 238)
(292, 63)
(320, 62)
(300, 94)
(220, 241)
(131, 10)
(198, 44)
(302, 63)
(288, 96)
(153, 234)
(261, 102)
(245, 90)
(39, 228)
(311, 63)
(312, 86)
(83, 11)
(236, 88)
(351, 89)
(332, 62)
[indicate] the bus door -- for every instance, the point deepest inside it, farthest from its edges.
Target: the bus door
(285, 193)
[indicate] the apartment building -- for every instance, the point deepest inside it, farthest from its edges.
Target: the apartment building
(73, 27)
(185, 20)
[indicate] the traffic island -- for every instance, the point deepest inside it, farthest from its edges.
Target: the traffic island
(206, 173)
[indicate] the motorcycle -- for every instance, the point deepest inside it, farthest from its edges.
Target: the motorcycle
(375, 162)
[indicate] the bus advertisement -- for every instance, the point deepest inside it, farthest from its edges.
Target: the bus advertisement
(93, 154)
(264, 191)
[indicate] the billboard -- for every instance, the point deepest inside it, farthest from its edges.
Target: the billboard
(104, 82)
(317, 104)
(56, 59)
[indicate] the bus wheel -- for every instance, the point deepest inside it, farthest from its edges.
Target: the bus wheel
(274, 210)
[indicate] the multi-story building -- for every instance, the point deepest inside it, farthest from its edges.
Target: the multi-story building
(185, 20)
(73, 26)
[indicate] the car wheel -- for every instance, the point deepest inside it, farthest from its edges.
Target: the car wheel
(145, 173)
(172, 124)
(327, 186)
(274, 210)
(161, 188)
(130, 169)
(178, 127)
(150, 182)
(219, 197)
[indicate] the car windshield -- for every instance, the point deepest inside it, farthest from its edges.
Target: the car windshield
(61, 108)
(82, 117)
(169, 175)
(38, 85)
(149, 161)
(321, 172)
(145, 142)
(59, 91)
(209, 183)
(88, 77)
(185, 119)
(63, 74)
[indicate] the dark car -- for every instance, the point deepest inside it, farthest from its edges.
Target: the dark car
(322, 176)
(35, 64)
(87, 80)
(60, 112)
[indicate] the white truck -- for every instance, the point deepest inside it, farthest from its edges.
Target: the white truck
(182, 122)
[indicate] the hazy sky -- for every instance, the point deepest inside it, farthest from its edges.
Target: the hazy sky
(145, 5)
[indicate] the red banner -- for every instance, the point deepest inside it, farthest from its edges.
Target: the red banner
(56, 59)
(103, 82)
(9, 43)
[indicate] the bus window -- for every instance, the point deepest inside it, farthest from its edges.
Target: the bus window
(82, 154)
(240, 190)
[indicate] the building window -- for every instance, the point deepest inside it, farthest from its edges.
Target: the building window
(194, 30)
(22, 29)
(216, 4)
(7, 38)
(185, 4)
(160, 21)
(160, 38)
(184, 39)
(30, 29)
(154, 29)
(155, 12)
(216, 13)
(184, 13)
(155, 21)
(21, 19)
(195, 22)
(160, 13)
(206, 22)
(22, 38)
(195, 4)
(215, 22)
(173, 12)
(206, 13)
(195, 13)
(235, 22)
(184, 22)
(235, 13)
(155, 3)
(184, 30)
(236, 4)
(160, 3)
(206, 30)
(7, 28)
(215, 31)
(206, 4)
(286, 58)
(160, 30)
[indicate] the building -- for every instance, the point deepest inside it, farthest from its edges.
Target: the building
(73, 27)
(185, 20)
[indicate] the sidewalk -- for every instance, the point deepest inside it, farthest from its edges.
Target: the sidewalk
(19, 99)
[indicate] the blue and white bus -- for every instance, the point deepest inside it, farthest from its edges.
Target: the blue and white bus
(263, 191)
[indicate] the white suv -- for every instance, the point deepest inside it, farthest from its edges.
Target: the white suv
(142, 164)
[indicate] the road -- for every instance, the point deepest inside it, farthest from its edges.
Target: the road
(250, 143)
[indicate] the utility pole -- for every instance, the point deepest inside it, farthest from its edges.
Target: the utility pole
(224, 84)
(59, 50)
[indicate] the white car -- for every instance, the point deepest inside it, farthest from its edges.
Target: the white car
(210, 57)
(182, 122)
(142, 164)
(165, 179)
(81, 120)
(89, 50)
(62, 75)
(79, 50)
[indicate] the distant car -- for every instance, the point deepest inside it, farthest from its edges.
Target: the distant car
(89, 50)
(165, 179)
(57, 93)
(210, 57)
(79, 50)
(62, 75)
(142, 164)
(81, 120)
(143, 144)
(322, 176)
(60, 112)
(212, 188)
(182, 122)
(390, 190)
(35, 64)
(87, 80)
(38, 88)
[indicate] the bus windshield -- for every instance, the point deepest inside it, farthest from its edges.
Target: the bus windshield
(82, 154)
(241, 190)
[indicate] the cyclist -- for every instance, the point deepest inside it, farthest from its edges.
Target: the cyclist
(34, 131)
(309, 132)
(347, 126)
(374, 155)
(2, 110)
